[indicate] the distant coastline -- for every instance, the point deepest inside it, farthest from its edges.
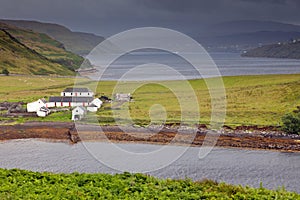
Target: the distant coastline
(288, 50)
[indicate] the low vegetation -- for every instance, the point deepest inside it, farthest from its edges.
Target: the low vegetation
(251, 100)
(291, 122)
(21, 184)
(5, 72)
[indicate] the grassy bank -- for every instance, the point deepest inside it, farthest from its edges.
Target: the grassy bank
(20, 184)
(251, 100)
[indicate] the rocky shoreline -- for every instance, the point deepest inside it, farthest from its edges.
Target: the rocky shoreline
(250, 137)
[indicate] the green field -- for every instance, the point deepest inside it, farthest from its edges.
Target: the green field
(20, 184)
(251, 100)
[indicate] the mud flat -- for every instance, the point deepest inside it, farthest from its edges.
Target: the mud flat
(267, 138)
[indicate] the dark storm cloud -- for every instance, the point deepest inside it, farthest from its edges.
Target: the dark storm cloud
(111, 16)
(268, 1)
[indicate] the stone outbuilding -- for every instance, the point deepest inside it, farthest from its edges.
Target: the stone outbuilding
(122, 96)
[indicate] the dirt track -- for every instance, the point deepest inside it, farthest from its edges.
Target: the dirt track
(242, 137)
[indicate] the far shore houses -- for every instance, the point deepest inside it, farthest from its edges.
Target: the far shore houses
(70, 97)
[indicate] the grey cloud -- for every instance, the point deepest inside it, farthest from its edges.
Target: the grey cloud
(111, 16)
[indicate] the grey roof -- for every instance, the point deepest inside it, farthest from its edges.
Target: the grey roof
(44, 109)
(77, 90)
(71, 99)
(43, 100)
(92, 105)
(81, 107)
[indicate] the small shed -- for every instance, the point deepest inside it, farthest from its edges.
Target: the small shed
(97, 102)
(43, 111)
(78, 113)
(92, 108)
(123, 97)
(36, 105)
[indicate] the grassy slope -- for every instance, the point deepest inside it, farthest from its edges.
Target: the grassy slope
(21, 60)
(27, 52)
(48, 47)
(251, 100)
(15, 184)
(79, 43)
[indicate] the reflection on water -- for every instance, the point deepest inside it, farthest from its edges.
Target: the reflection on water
(246, 167)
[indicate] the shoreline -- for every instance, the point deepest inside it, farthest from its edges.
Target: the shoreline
(241, 137)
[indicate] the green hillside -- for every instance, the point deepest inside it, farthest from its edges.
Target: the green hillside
(280, 50)
(27, 52)
(76, 42)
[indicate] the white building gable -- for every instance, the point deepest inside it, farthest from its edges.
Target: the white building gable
(36, 105)
(97, 102)
(78, 113)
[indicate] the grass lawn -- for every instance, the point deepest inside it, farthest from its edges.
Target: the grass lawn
(20, 184)
(251, 100)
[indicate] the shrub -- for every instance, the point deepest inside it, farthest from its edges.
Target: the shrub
(5, 71)
(291, 122)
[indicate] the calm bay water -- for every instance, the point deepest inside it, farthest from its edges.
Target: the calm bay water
(229, 64)
(235, 166)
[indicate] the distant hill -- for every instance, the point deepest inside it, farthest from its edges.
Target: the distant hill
(245, 34)
(76, 42)
(279, 50)
(245, 41)
(28, 52)
(249, 26)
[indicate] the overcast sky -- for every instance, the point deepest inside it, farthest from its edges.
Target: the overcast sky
(106, 17)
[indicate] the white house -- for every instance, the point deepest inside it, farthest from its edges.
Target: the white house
(43, 112)
(68, 101)
(77, 92)
(78, 113)
(36, 105)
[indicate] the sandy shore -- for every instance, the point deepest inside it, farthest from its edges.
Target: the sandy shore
(241, 137)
